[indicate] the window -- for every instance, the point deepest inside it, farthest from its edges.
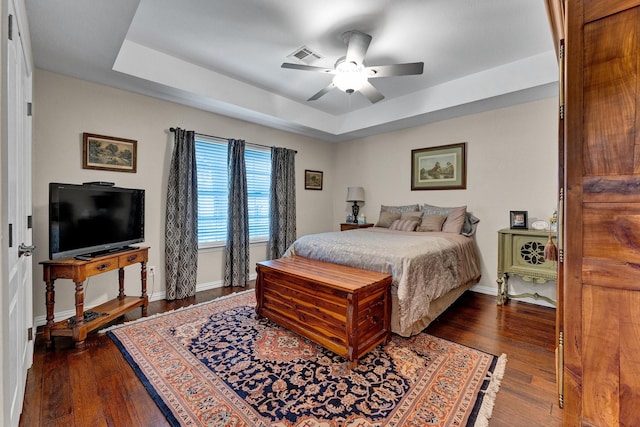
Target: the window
(211, 160)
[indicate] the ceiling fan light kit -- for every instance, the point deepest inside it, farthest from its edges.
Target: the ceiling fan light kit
(350, 73)
(350, 76)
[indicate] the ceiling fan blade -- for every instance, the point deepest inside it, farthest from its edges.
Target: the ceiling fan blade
(357, 45)
(308, 68)
(371, 93)
(322, 92)
(396, 69)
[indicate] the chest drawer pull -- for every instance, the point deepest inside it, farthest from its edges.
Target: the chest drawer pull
(132, 258)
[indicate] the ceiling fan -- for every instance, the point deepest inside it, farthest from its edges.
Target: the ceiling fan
(350, 72)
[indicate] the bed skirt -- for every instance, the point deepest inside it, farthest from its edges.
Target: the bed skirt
(436, 308)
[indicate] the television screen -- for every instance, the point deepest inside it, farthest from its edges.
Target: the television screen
(93, 219)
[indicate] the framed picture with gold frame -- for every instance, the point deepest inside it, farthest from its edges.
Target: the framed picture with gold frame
(109, 153)
(439, 168)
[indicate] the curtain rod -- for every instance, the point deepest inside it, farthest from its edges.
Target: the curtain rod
(226, 139)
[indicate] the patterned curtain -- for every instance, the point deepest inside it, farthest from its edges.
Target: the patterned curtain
(237, 246)
(181, 227)
(282, 205)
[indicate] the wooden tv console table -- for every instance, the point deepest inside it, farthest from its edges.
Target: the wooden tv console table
(78, 271)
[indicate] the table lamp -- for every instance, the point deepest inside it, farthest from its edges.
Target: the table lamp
(355, 195)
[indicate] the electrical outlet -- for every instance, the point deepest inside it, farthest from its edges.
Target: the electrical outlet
(151, 270)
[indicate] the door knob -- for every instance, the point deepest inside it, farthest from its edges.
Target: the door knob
(25, 250)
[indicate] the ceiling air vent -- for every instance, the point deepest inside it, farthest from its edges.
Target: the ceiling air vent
(305, 55)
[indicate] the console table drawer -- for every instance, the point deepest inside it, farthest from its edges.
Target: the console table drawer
(128, 259)
(102, 266)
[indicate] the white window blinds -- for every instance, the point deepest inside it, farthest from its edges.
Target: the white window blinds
(211, 159)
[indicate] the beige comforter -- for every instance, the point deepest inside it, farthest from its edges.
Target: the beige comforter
(423, 266)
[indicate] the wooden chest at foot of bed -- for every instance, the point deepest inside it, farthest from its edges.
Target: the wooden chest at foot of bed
(344, 309)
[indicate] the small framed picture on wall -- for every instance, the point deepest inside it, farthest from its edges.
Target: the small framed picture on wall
(312, 180)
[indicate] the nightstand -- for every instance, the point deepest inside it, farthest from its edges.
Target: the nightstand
(521, 252)
(351, 226)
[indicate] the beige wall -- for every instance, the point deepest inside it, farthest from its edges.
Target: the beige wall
(511, 165)
(64, 108)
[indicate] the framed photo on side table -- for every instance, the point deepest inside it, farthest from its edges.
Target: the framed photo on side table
(518, 219)
(312, 180)
(109, 153)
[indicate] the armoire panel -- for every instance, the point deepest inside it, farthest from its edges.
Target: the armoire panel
(610, 84)
(601, 369)
(605, 272)
(601, 217)
(629, 362)
(613, 232)
(596, 9)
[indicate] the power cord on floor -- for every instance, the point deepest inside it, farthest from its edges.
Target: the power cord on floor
(153, 283)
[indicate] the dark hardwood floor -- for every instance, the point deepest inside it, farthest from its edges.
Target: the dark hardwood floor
(96, 386)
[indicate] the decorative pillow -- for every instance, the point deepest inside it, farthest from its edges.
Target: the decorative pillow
(470, 225)
(455, 216)
(412, 215)
(432, 223)
(404, 225)
(386, 218)
(400, 209)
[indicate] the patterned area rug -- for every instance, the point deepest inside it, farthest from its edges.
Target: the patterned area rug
(214, 364)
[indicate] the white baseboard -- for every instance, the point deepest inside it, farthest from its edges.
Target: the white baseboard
(494, 291)
(156, 296)
(485, 290)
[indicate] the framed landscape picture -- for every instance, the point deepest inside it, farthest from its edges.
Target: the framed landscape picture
(439, 168)
(312, 180)
(108, 153)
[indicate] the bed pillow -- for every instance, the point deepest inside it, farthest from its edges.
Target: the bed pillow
(455, 216)
(386, 218)
(432, 223)
(404, 224)
(412, 215)
(400, 209)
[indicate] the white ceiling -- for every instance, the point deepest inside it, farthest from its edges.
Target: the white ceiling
(224, 56)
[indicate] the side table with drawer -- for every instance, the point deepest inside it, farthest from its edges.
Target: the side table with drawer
(77, 327)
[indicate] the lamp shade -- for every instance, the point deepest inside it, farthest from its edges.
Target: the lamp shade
(355, 194)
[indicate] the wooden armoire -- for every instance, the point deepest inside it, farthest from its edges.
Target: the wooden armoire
(599, 249)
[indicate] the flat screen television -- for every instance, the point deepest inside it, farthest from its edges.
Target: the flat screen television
(89, 220)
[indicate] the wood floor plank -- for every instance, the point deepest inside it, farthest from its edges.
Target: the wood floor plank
(33, 401)
(525, 332)
(57, 402)
(145, 408)
(87, 404)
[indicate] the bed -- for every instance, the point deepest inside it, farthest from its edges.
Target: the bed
(429, 270)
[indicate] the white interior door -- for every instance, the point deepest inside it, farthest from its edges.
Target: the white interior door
(17, 347)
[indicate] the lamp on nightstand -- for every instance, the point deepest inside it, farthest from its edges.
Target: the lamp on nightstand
(355, 195)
